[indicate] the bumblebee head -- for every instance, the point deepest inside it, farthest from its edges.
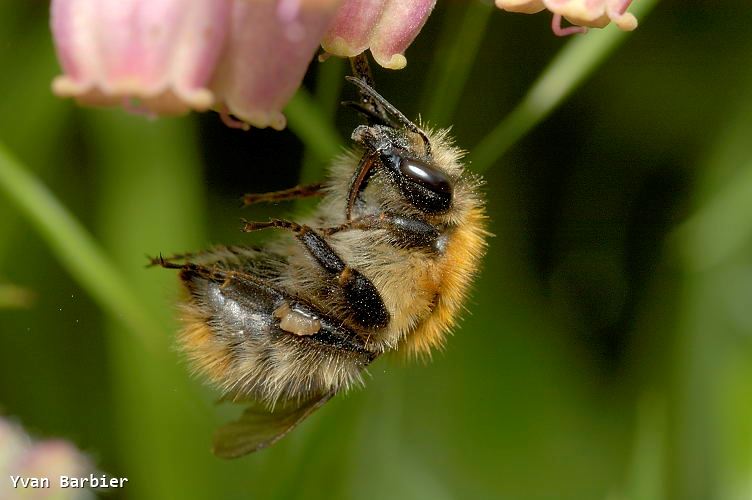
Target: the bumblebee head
(395, 145)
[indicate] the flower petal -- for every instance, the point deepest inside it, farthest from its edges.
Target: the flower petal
(387, 27)
(617, 11)
(159, 52)
(592, 13)
(350, 31)
(580, 12)
(270, 46)
(523, 6)
(396, 30)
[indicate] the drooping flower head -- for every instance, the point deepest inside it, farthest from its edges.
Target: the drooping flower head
(581, 13)
(387, 27)
(269, 48)
(243, 58)
(156, 56)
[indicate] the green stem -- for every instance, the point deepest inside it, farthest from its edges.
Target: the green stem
(721, 228)
(329, 85)
(455, 56)
(327, 94)
(74, 246)
(568, 70)
(28, 100)
(310, 123)
(152, 199)
(711, 352)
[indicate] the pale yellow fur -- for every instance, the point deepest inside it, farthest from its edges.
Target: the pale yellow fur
(423, 290)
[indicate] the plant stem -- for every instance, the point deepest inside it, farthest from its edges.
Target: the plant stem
(75, 247)
(152, 199)
(721, 228)
(452, 62)
(312, 126)
(566, 72)
(327, 94)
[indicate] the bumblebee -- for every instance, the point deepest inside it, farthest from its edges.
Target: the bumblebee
(383, 263)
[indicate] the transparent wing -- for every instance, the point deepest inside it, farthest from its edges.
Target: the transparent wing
(259, 428)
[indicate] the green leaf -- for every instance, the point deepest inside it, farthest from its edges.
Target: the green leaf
(75, 247)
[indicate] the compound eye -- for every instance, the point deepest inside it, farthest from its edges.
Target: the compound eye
(424, 186)
(422, 173)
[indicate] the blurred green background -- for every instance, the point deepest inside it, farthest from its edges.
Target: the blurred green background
(606, 352)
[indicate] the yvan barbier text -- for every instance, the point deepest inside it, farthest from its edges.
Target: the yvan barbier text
(65, 482)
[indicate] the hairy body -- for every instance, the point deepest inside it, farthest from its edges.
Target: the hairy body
(383, 263)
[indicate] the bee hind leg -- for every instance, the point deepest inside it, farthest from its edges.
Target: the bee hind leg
(171, 262)
(364, 301)
(190, 269)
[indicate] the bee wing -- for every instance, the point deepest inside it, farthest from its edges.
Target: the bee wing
(259, 428)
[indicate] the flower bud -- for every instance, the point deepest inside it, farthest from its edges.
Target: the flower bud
(387, 27)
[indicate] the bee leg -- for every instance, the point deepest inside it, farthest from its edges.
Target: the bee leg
(257, 300)
(408, 232)
(365, 303)
(191, 269)
(162, 261)
(250, 226)
(364, 223)
(359, 181)
(293, 193)
(165, 262)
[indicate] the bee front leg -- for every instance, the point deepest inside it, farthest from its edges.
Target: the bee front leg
(250, 226)
(407, 232)
(363, 223)
(293, 193)
(364, 301)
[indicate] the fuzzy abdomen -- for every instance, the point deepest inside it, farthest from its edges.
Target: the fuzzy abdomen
(232, 336)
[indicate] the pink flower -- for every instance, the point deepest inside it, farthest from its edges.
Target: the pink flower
(21, 456)
(155, 55)
(593, 13)
(270, 44)
(387, 27)
(243, 58)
